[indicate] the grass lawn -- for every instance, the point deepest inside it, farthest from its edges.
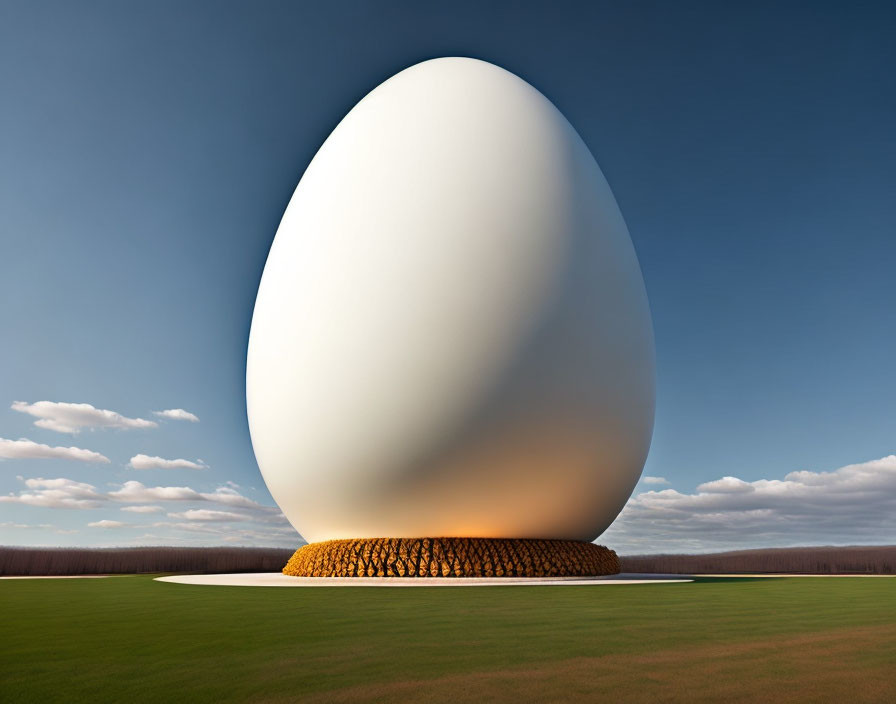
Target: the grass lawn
(130, 639)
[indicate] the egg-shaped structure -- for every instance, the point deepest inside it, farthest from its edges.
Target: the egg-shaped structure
(451, 336)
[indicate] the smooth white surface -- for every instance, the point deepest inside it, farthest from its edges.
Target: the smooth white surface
(451, 335)
(277, 579)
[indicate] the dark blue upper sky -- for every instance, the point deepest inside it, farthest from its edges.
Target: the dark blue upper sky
(147, 151)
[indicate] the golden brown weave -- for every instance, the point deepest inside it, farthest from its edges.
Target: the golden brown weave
(451, 557)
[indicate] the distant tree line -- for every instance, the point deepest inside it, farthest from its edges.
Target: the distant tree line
(69, 561)
(824, 560)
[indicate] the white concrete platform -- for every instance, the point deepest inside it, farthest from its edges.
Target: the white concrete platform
(276, 579)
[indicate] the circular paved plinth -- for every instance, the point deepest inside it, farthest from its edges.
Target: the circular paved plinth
(276, 579)
(451, 557)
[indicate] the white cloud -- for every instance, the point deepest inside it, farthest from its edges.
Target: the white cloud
(134, 491)
(273, 515)
(27, 449)
(204, 514)
(147, 462)
(74, 417)
(39, 526)
(726, 485)
(855, 504)
(214, 533)
(57, 493)
(231, 497)
(654, 480)
(106, 524)
(177, 414)
(193, 527)
(143, 509)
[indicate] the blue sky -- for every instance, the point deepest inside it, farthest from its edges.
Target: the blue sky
(147, 151)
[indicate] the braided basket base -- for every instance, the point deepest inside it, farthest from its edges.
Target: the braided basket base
(451, 557)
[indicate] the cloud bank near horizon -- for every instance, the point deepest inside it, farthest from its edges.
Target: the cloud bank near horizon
(254, 523)
(855, 504)
(237, 519)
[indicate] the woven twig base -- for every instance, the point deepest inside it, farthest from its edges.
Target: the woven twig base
(451, 557)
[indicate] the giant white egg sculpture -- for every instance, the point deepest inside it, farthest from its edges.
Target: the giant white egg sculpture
(451, 335)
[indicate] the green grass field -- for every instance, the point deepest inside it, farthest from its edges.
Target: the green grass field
(130, 639)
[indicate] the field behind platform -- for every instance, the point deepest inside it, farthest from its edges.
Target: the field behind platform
(128, 638)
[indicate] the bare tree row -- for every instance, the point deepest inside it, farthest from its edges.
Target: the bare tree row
(68, 561)
(821, 560)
